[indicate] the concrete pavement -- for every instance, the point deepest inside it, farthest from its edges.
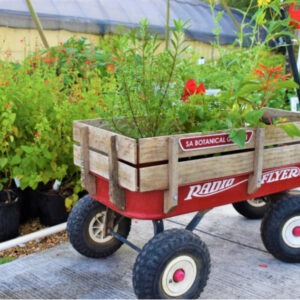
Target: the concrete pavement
(241, 267)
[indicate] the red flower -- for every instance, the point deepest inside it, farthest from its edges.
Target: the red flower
(7, 105)
(191, 88)
(37, 135)
(110, 68)
(295, 16)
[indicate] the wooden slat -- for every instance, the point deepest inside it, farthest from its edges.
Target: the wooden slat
(155, 149)
(99, 166)
(100, 139)
(116, 192)
(281, 113)
(87, 179)
(254, 181)
(171, 195)
(217, 166)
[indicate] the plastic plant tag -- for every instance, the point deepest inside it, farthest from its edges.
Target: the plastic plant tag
(294, 102)
(17, 182)
(56, 185)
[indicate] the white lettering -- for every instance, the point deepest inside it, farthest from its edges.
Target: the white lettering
(209, 188)
(281, 174)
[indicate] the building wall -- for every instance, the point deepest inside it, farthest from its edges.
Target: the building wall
(15, 43)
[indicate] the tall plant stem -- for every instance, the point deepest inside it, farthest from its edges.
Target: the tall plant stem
(37, 23)
(167, 31)
(228, 10)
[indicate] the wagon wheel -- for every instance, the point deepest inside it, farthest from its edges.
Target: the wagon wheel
(280, 229)
(88, 225)
(253, 208)
(173, 264)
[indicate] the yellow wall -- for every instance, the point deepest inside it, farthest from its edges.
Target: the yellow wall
(15, 44)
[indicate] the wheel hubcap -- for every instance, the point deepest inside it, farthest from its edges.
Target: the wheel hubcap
(291, 232)
(296, 231)
(97, 229)
(257, 202)
(179, 276)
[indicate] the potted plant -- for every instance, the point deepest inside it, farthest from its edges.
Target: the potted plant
(45, 109)
(165, 91)
(9, 194)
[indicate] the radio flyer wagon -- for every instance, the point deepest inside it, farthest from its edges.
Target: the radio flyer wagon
(160, 177)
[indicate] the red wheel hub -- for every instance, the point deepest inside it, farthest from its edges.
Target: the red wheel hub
(179, 275)
(296, 231)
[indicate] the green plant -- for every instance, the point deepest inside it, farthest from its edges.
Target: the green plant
(146, 100)
(8, 134)
(43, 103)
(145, 82)
(4, 260)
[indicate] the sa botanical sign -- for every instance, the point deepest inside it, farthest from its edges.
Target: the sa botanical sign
(209, 141)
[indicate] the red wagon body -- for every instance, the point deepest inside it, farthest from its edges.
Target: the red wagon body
(200, 196)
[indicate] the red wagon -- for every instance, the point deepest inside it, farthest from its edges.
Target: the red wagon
(161, 177)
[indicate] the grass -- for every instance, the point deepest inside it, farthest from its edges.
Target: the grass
(4, 260)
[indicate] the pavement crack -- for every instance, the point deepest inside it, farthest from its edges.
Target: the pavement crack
(220, 237)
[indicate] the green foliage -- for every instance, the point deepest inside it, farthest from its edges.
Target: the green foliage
(145, 82)
(40, 99)
(4, 260)
(137, 85)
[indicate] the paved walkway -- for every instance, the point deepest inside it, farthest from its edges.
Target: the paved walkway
(241, 267)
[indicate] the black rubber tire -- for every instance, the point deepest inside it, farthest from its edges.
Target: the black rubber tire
(274, 234)
(250, 211)
(81, 217)
(162, 250)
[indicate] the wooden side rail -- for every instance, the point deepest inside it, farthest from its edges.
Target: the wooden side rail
(171, 195)
(87, 179)
(254, 181)
(116, 192)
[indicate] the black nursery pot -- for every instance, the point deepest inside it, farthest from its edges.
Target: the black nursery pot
(9, 215)
(52, 210)
(29, 205)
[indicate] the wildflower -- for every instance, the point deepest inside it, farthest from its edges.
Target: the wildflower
(8, 53)
(110, 68)
(263, 3)
(7, 105)
(37, 134)
(270, 74)
(191, 88)
(47, 61)
(141, 96)
(295, 16)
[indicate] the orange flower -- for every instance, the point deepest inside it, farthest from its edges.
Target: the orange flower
(7, 105)
(37, 135)
(110, 68)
